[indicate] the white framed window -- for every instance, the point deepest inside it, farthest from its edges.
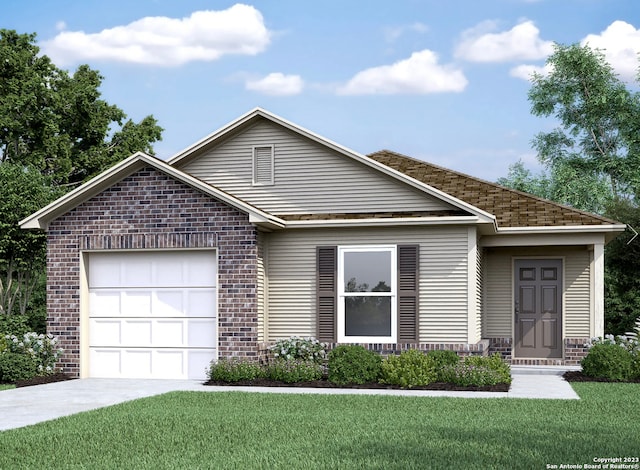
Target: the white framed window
(367, 293)
(263, 165)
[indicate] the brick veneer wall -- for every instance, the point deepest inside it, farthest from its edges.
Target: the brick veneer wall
(575, 349)
(151, 210)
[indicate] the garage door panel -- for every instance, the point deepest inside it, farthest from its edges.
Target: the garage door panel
(150, 363)
(104, 303)
(201, 333)
(201, 302)
(152, 314)
(105, 331)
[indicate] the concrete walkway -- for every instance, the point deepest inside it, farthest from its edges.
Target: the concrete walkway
(30, 405)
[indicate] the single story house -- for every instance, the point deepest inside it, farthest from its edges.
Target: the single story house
(264, 230)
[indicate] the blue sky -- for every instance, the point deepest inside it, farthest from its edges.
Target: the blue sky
(443, 81)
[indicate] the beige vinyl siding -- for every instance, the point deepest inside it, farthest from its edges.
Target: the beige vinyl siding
(479, 284)
(443, 277)
(309, 178)
(498, 286)
(577, 296)
(261, 290)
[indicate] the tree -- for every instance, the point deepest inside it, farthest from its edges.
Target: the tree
(56, 122)
(55, 133)
(593, 154)
(22, 252)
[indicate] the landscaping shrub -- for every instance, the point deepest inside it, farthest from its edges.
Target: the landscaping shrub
(15, 366)
(353, 364)
(411, 368)
(441, 359)
(305, 349)
(14, 325)
(609, 360)
(478, 371)
(234, 370)
(41, 349)
(291, 371)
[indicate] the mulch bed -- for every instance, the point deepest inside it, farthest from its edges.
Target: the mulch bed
(578, 376)
(372, 385)
(46, 379)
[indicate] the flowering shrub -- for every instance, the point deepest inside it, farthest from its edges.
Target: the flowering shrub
(305, 349)
(234, 370)
(295, 370)
(478, 371)
(613, 358)
(42, 349)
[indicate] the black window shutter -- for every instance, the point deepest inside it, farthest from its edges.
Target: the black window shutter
(327, 304)
(408, 263)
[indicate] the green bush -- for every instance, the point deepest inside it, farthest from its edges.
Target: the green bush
(42, 349)
(15, 366)
(14, 325)
(609, 361)
(353, 364)
(478, 371)
(305, 349)
(234, 370)
(441, 359)
(411, 368)
(291, 371)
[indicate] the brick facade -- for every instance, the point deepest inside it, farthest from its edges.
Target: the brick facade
(575, 349)
(150, 210)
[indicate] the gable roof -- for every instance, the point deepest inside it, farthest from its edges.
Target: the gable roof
(511, 208)
(127, 167)
(248, 119)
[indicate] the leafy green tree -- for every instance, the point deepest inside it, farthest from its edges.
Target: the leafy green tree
(593, 150)
(56, 121)
(22, 252)
(55, 133)
(622, 271)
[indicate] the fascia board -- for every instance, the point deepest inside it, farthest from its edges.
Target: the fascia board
(385, 222)
(570, 234)
(259, 112)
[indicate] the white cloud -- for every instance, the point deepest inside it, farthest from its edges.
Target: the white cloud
(203, 36)
(419, 74)
(522, 42)
(525, 71)
(620, 43)
(277, 84)
(391, 34)
(61, 26)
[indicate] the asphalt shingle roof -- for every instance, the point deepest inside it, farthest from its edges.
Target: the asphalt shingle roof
(512, 208)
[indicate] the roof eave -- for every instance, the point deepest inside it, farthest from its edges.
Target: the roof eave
(384, 222)
(42, 218)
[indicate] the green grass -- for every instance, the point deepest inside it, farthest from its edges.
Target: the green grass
(6, 386)
(253, 430)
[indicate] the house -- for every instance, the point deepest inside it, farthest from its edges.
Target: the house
(263, 230)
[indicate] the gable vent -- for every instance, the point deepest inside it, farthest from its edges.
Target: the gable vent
(263, 165)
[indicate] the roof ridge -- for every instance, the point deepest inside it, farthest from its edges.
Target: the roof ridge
(496, 185)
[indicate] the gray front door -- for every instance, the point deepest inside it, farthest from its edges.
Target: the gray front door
(538, 308)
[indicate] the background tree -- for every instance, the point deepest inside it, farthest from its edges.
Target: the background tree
(591, 161)
(56, 122)
(55, 133)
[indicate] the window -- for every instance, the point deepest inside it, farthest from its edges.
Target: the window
(367, 291)
(263, 172)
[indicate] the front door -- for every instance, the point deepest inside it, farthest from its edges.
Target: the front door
(538, 308)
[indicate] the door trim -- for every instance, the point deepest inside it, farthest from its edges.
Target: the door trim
(562, 260)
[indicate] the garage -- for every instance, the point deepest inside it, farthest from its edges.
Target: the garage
(152, 314)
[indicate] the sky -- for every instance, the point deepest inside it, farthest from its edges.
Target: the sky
(444, 81)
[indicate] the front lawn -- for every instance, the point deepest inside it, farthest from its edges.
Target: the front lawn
(255, 430)
(6, 386)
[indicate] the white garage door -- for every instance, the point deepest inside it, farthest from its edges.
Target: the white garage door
(152, 314)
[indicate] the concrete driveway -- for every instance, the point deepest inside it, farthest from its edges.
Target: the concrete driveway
(30, 405)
